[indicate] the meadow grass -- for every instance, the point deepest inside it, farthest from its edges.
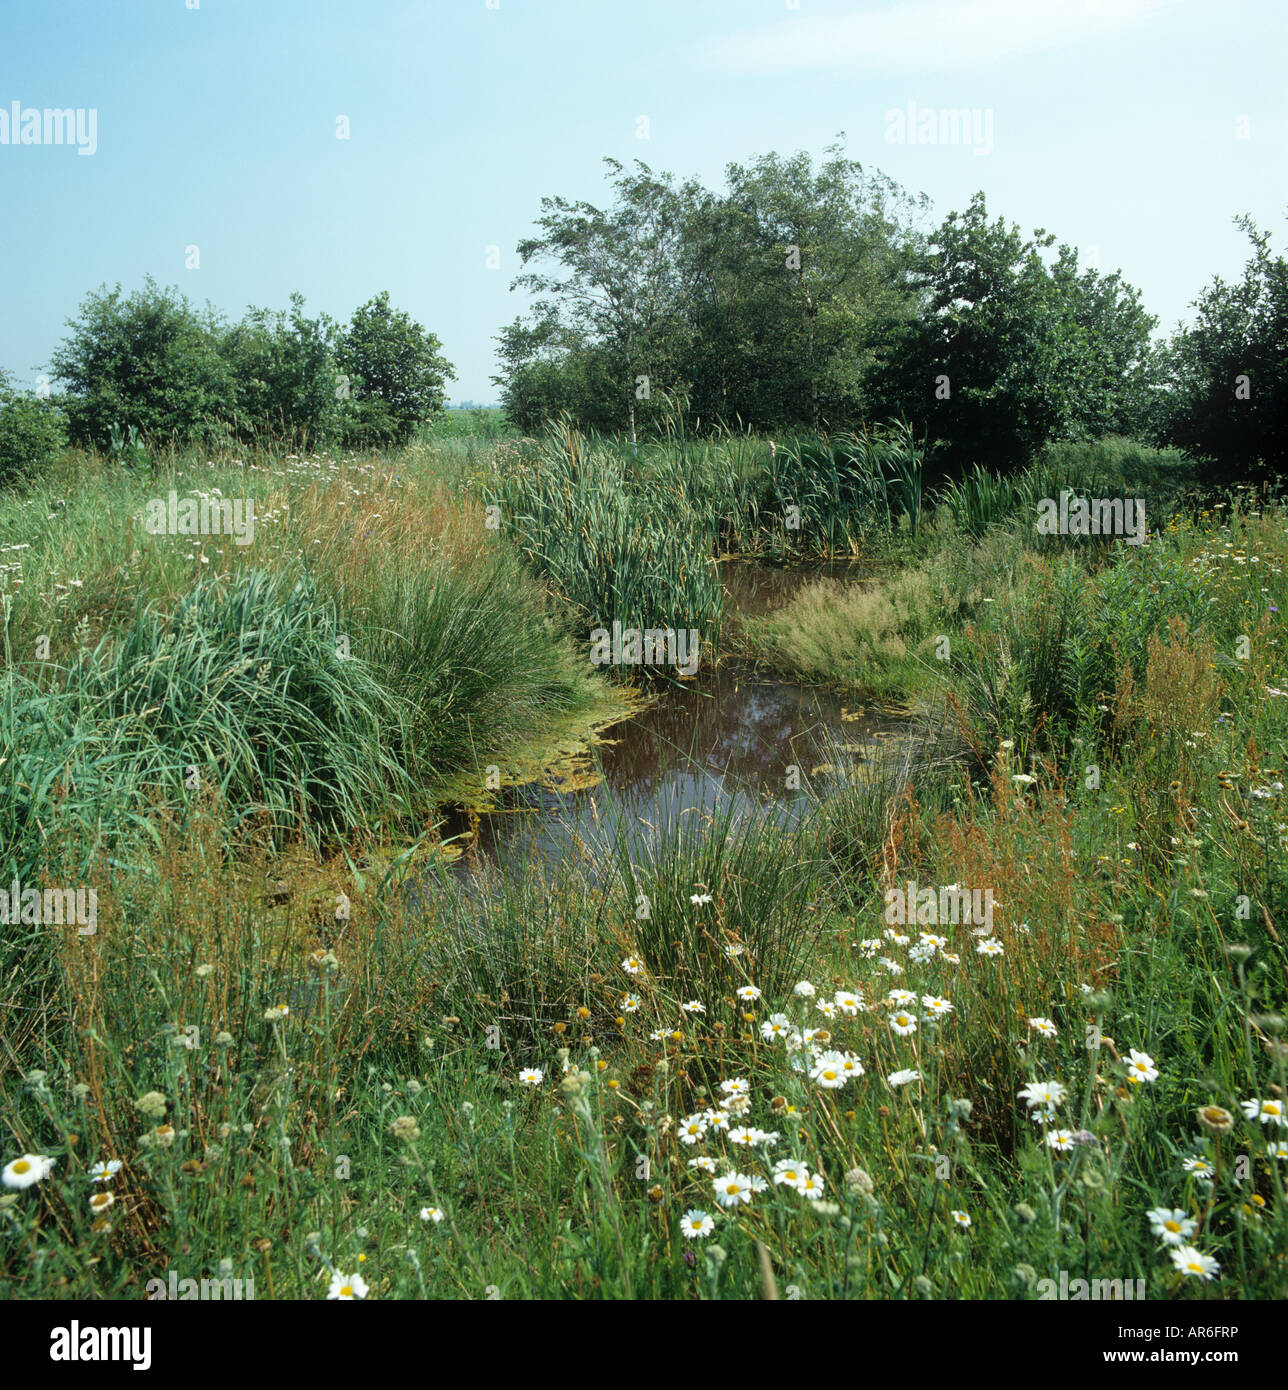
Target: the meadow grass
(701, 1063)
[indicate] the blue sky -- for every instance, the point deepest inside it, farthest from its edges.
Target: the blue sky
(1114, 124)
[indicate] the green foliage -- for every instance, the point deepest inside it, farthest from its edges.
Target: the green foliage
(393, 360)
(149, 360)
(1241, 332)
(33, 434)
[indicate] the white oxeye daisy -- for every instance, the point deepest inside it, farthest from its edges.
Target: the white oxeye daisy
(743, 1135)
(1061, 1140)
(29, 1169)
(810, 1186)
(788, 1171)
(747, 992)
(951, 957)
(775, 1026)
(962, 1220)
(658, 1034)
(1200, 1168)
(902, 1078)
(1269, 1112)
(735, 1104)
(736, 1086)
(938, 1008)
(991, 946)
(732, 1190)
(892, 967)
(828, 1071)
(699, 899)
(1140, 1067)
(826, 1008)
(716, 1119)
(804, 989)
(1044, 1093)
(903, 1024)
(1043, 1027)
(930, 939)
(532, 1076)
(633, 965)
(276, 1013)
(347, 1286)
(630, 1002)
(901, 996)
(694, 1006)
(692, 1128)
(850, 1064)
(1278, 1150)
(704, 1164)
(103, 1171)
(1195, 1265)
(431, 1214)
(100, 1202)
(848, 1003)
(694, 1225)
(1172, 1227)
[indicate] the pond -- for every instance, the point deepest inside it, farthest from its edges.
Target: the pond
(737, 737)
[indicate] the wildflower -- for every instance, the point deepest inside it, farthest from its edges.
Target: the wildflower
(775, 1026)
(692, 1128)
(747, 992)
(847, 1003)
(903, 1024)
(736, 1104)
(939, 1008)
(347, 1286)
(1269, 1112)
(826, 1008)
(1172, 1227)
(1043, 1093)
(1043, 1027)
(29, 1169)
(934, 942)
(1140, 1067)
(901, 996)
(1193, 1264)
(694, 1006)
(1278, 1150)
(902, 1078)
(633, 965)
(405, 1128)
(859, 1180)
(810, 1186)
(203, 971)
(736, 1086)
(704, 1164)
(990, 946)
(892, 967)
(951, 957)
(716, 1119)
(152, 1105)
(629, 1004)
(962, 1220)
(804, 989)
(788, 1172)
(1215, 1118)
(531, 1076)
(699, 899)
(732, 1190)
(1061, 1140)
(100, 1202)
(434, 1214)
(696, 1225)
(105, 1169)
(827, 1071)
(1200, 1167)
(276, 1013)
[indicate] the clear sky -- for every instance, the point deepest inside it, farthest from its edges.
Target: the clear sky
(1115, 124)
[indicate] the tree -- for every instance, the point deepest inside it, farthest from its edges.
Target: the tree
(1006, 355)
(392, 360)
(284, 366)
(794, 278)
(32, 433)
(149, 361)
(616, 293)
(1229, 401)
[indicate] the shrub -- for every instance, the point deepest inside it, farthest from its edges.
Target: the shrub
(32, 433)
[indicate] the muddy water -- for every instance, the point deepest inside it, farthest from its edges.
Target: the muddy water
(736, 737)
